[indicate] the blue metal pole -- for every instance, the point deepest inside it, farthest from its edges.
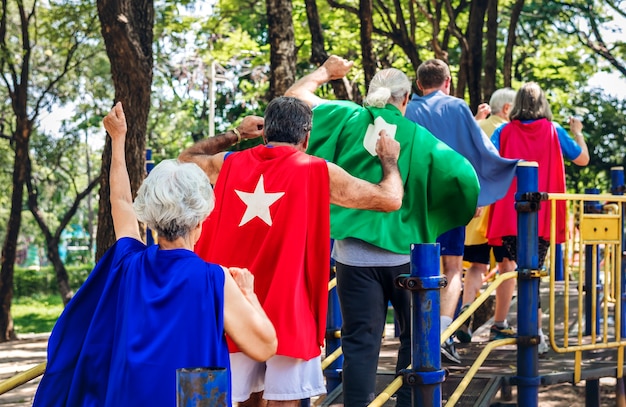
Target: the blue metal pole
(527, 204)
(333, 342)
(202, 386)
(558, 266)
(149, 167)
(425, 283)
(617, 188)
(592, 207)
(592, 386)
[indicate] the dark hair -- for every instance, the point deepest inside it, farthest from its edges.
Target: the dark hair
(432, 73)
(530, 104)
(287, 120)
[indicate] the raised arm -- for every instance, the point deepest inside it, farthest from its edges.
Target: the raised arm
(124, 218)
(208, 154)
(352, 192)
(576, 127)
(304, 89)
(245, 321)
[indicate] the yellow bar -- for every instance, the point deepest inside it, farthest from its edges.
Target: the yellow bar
(331, 358)
(475, 366)
(332, 283)
(456, 324)
(21, 378)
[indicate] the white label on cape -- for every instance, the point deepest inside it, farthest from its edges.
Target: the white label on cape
(371, 135)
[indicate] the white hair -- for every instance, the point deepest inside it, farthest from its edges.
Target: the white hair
(501, 97)
(387, 86)
(174, 198)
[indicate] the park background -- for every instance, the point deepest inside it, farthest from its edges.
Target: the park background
(186, 70)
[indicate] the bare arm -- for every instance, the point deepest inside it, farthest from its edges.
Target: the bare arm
(352, 192)
(304, 89)
(245, 320)
(124, 218)
(208, 154)
(576, 127)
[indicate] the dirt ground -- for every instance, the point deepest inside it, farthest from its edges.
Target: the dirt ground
(30, 350)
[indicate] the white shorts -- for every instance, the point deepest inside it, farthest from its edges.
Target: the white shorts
(280, 378)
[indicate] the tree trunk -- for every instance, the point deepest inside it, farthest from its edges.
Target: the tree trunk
(21, 137)
(507, 68)
(127, 29)
(9, 248)
(491, 60)
(282, 46)
(367, 50)
(475, 42)
(341, 87)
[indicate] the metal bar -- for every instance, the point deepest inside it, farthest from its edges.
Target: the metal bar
(527, 379)
(21, 378)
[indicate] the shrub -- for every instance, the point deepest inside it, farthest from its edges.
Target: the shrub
(30, 281)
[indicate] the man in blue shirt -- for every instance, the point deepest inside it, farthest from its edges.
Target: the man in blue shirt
(450, 120)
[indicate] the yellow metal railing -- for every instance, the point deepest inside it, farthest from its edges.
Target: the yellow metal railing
(21, 378)
(603, 233)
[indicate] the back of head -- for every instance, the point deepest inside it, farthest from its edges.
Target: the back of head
(287, 120)
(432, 73)
(388, 86)
(174, 198)
(530, 104)
(501, 97)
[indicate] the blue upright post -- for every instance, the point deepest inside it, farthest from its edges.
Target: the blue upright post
(558, 263)
(425, 281)
(592, 207)
(527, 204)
(333, 342)
(592, 386)
(617, 188)
(149, 167)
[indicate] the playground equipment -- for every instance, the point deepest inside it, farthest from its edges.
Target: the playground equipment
(586, 312)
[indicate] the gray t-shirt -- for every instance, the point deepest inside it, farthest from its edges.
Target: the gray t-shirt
(356, 252)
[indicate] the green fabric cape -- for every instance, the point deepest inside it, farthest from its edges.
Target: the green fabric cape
(441, 187)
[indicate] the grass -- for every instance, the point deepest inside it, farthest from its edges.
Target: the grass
(36, 314)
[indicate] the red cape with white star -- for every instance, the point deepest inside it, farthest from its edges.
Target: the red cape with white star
(272, 217)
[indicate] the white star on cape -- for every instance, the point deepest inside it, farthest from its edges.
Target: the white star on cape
(258, 203)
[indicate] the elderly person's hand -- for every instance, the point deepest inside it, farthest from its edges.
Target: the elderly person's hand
(337, 67)
(115, 122)
(244, 279)
(576, 126)
(387, 146)
(251, 127)
(483, 111)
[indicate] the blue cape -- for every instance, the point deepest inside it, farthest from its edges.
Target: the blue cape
(141, 314)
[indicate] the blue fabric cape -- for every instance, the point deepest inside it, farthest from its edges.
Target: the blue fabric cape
(450, 120)
(141, 314)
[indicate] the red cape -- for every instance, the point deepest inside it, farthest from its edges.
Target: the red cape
(534, 141)
(287, 249)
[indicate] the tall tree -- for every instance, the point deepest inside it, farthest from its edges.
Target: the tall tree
(127, 29)
(282, 46)
(507, 69)
(491, 50)
(475, 26)
(40, 46)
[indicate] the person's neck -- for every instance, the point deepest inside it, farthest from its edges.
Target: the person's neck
(426, 92)
(283, 144)
(178, 243)
(502, 116)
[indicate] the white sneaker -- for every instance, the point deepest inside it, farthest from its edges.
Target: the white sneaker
(543, 346)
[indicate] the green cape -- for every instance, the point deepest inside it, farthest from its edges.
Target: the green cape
(441, 187)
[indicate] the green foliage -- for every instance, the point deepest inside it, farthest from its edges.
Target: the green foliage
(32, 281)
(36, 314)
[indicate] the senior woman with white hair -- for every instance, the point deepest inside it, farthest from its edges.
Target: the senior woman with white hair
(146, 311)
